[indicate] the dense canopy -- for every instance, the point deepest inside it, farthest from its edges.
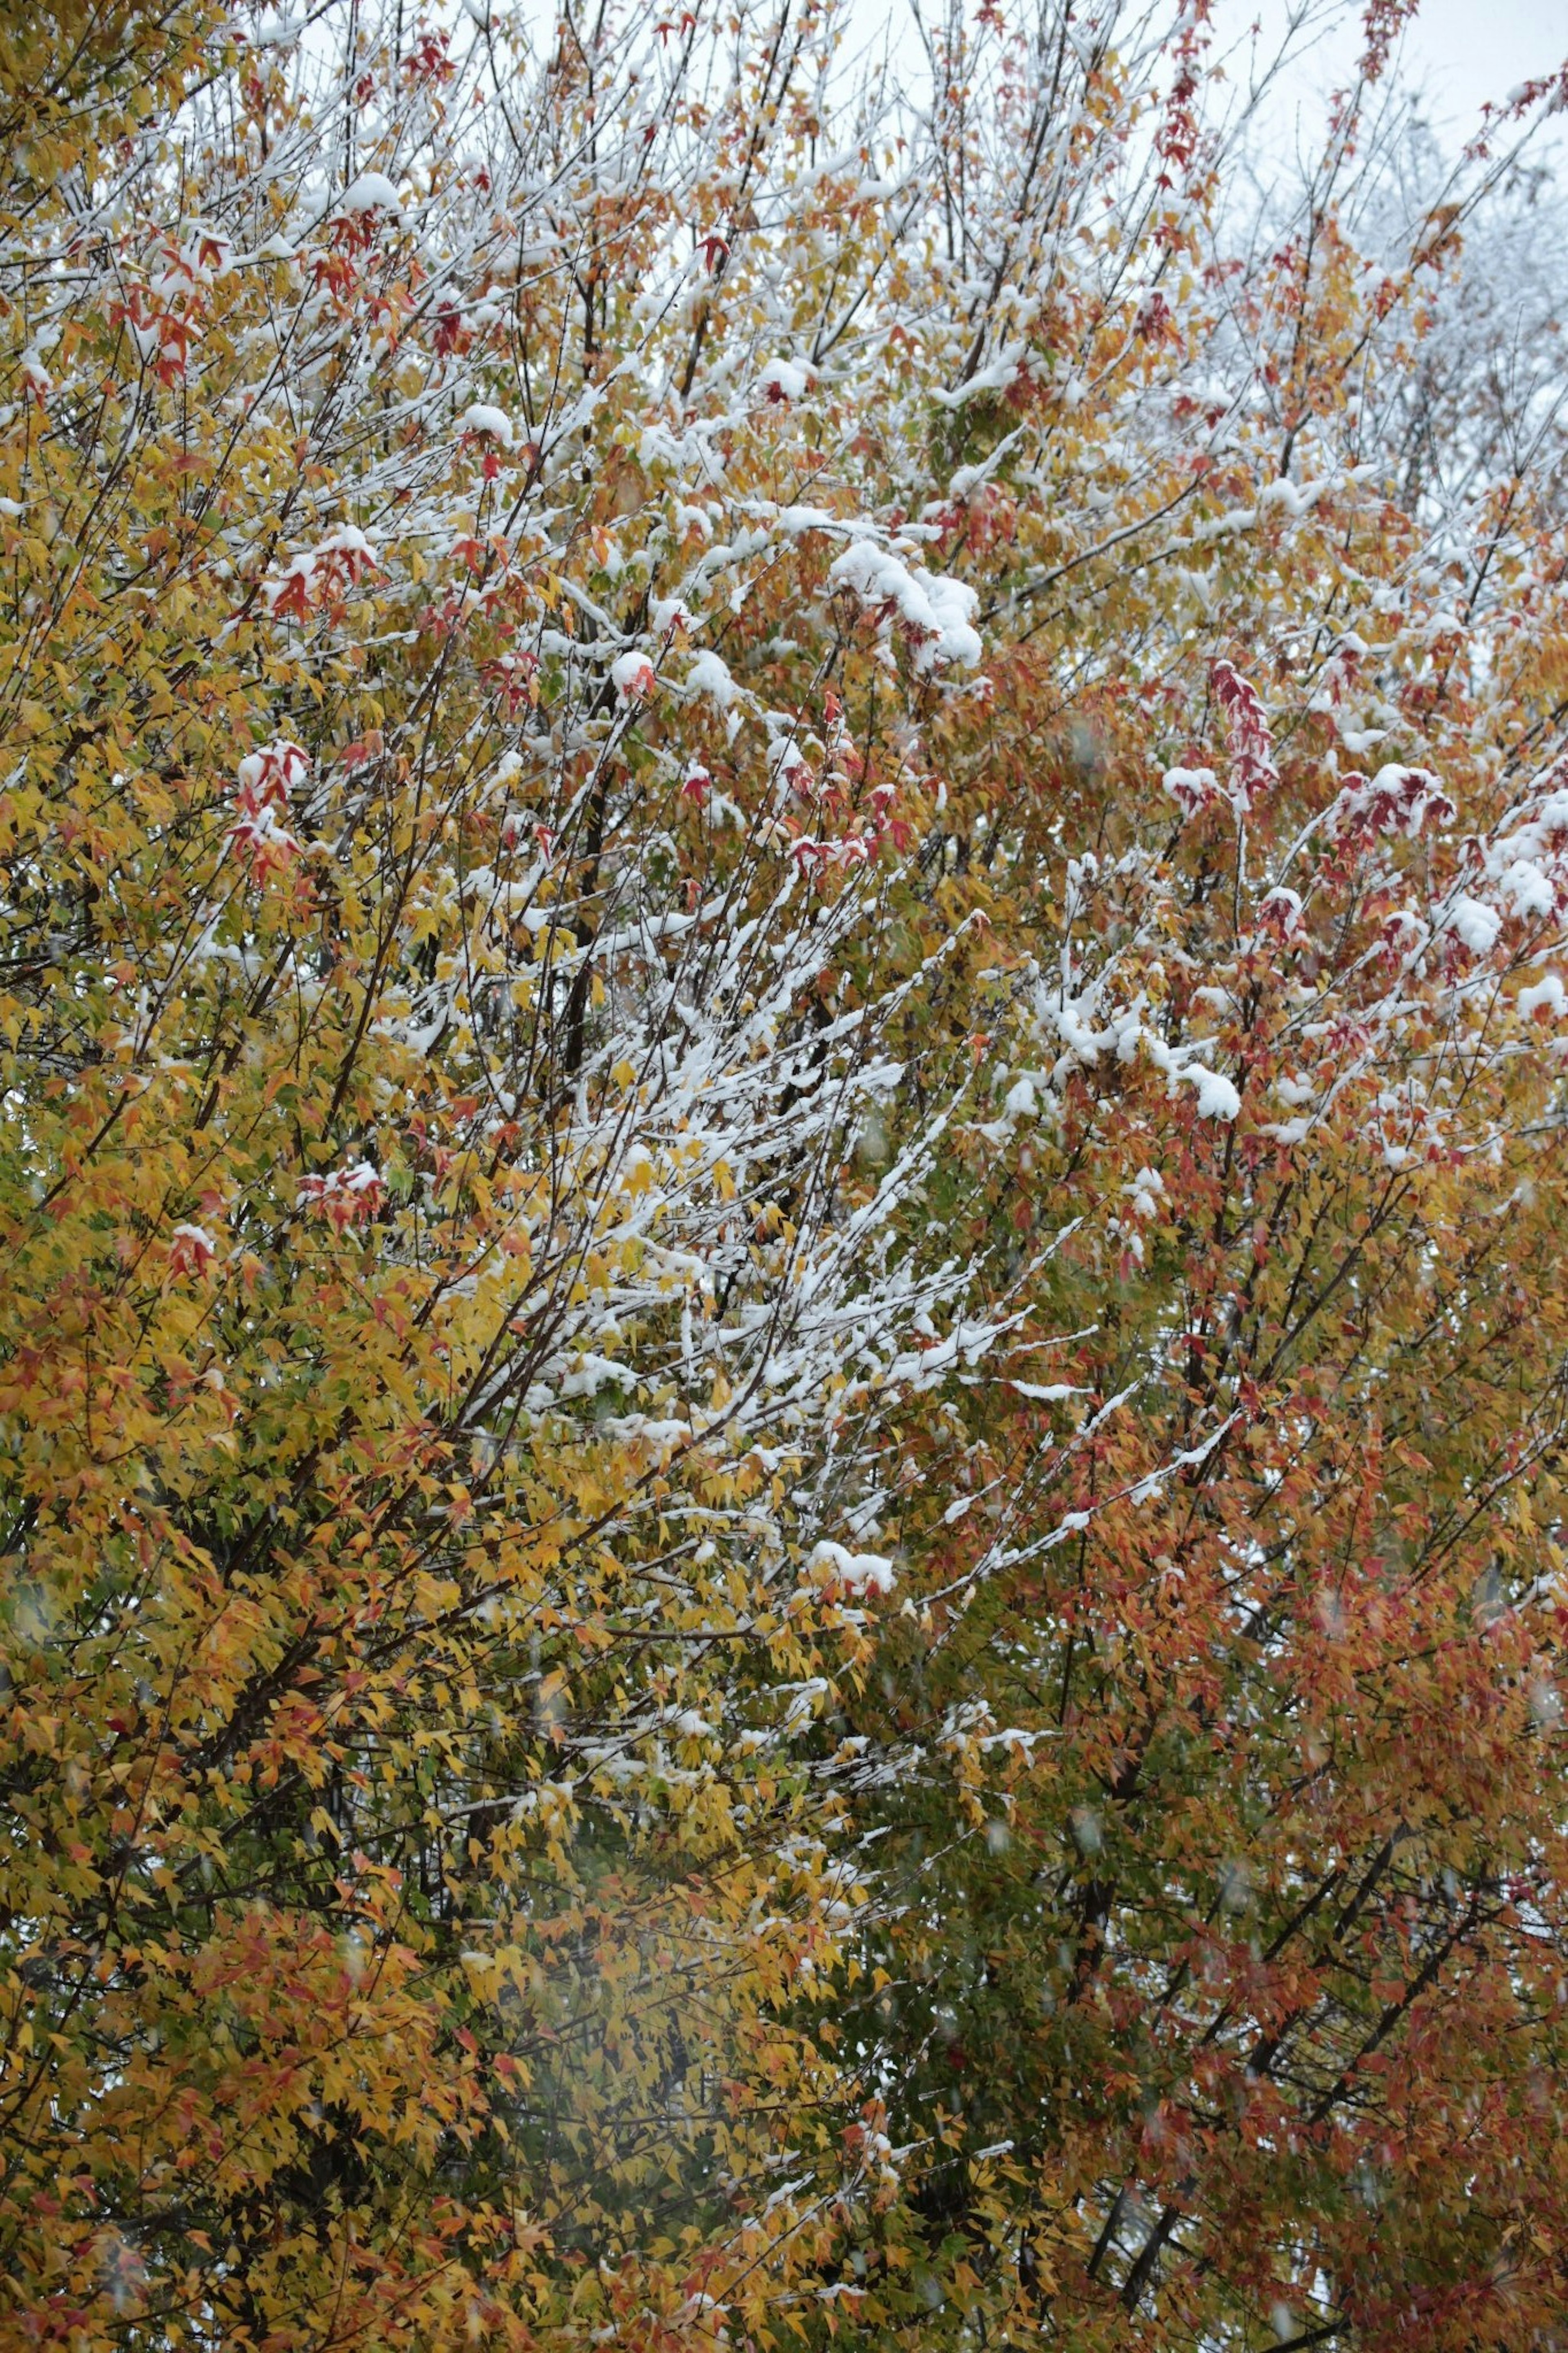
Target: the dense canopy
(783, 1349)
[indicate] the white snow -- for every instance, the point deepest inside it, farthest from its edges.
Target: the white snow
(1548, 995)
(709, 674)
(1397, 800)
(348, 540)
(1473, 922)
(1192, 789)
(1217, 1097)
(1146, 1191)
(373, 192)
(937, 610)
(786, 379)
(1528, 891)
(860, 1571)
(494, 422)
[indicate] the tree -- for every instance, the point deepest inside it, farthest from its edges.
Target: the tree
(779, 1323)
(446, 1331)
(1226, 1973)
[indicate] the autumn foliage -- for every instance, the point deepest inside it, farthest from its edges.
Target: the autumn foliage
(783, 1358)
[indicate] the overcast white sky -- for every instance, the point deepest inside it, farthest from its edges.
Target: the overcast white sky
(1459, 52)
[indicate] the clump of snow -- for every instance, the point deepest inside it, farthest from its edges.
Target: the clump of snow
(1474, 923)
(493, 423)
(348, 541)
(346, 1197)
(1000, 377)
(1217, 1096)
(784, 379)
(1396, 800)
(1279, 913)
(632, 676)
(373, 192)
(709, 675)
(789, 766)
(191, 1250)
(1193, 789)
(1528, 891)
(1146, 1191)
(1542, 995)
(937, 612)
(267, 782)
(862, 1572)
(272, 774)
(1297, 499)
